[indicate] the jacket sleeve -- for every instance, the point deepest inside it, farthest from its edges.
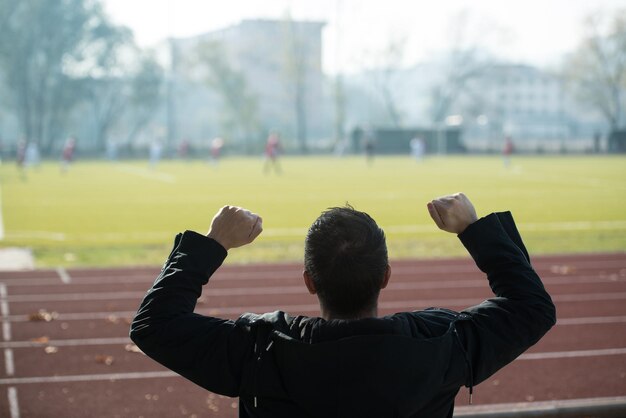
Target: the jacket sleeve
(208, 351)
(498, 330)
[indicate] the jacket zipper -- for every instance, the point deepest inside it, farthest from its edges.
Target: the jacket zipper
(468, 363)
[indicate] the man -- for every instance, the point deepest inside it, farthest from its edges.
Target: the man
(349, 363)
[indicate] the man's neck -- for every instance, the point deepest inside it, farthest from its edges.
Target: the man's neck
(327, 315)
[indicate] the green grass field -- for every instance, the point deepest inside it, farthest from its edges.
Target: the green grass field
(102, 213)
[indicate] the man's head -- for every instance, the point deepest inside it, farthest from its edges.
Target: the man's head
(345, 261)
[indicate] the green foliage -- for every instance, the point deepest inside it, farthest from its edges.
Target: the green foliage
(56, 55)
(125, 213)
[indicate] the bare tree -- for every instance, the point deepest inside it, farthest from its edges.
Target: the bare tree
(44, 44)
(464, 63)
(597, 69)
(297, 57)
(240, 109)
(387, 65)
(145, 93)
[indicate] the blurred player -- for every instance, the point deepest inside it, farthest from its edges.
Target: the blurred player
(369, 145)
(272, 150)
(216, 150)
(67, 155)
(417, 148)
(183, 149)
(156, 148)
(507, 150)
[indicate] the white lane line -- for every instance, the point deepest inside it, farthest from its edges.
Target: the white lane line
(398, 279)
(126, 340)
(4, 306)
(8, 362)
(44, 235)
(431, 228)
(573, 226)
(290, 290)
(589, 297)
(573, 354)
(57, 297)
(14, 406)
(67, 343)
(147, 174)
(591, 320)
(4, 312)
(416, 230)
(611, 270)
(112, 377)
(63, 275)
(160, 374)
(85, 316)
(80, 316)
(6, 329)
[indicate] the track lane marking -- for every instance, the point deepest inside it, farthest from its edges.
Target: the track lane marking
(126, 340)
(80, 316)
(87, 378)
(573, 354)
(67, 343)
(290, 290)
(591, 320)
(63, 275)
(4, 312)
(159, 374)
(14, 406)
(398, 280)
(9, 364)
(461, 265)
(147, 173)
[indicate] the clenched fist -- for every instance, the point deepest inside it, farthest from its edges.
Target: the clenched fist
(452, 213)
(233, 227)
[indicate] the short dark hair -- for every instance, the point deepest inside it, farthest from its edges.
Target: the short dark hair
(345, 254)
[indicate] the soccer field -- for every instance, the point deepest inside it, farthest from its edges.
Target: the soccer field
(125, 213)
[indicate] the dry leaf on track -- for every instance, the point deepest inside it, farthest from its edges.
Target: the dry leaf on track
(104, 359)
(132, 348)
(43, 315)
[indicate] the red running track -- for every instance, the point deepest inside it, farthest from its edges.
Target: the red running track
(74, 359)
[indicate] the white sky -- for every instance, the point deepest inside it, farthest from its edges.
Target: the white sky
(537, 32)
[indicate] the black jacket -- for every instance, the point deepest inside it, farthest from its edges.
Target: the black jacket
(409, 364)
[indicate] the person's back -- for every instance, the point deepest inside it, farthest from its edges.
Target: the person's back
(349, 362)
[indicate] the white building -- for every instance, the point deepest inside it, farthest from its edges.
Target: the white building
(281, 63)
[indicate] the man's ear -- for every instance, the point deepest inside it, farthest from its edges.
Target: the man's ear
(387, 276)
(308, 281)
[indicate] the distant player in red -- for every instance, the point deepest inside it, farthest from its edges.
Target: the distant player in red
(507, 150)
(67, 155)
(272, 149)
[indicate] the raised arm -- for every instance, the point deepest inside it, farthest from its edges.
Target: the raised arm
(498, 330)
(205, 350)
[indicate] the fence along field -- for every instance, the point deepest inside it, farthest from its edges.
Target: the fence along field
(126, 213)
